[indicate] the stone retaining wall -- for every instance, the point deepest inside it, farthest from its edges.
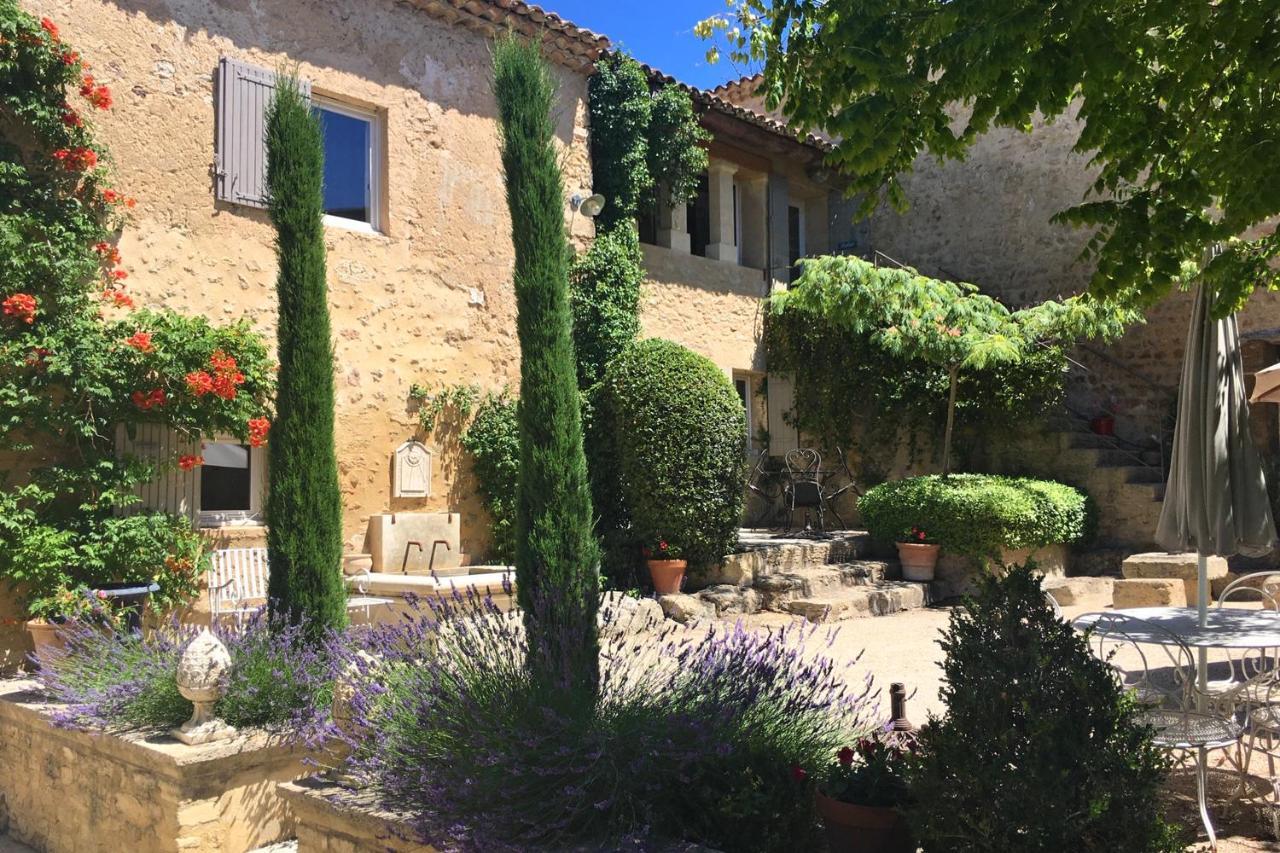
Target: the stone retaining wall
(331, 819)
(72, 792)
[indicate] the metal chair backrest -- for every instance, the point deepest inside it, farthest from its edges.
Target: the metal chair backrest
(1255, 586)
(236, 576)
(1148, 659)
(804, 465)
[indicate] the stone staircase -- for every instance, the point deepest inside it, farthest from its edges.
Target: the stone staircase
(823, 580)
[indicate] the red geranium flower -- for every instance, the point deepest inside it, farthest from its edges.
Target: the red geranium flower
(20, 306)
(49, 27)
(199, 383)
(119, 297)
(141, 341)
(100, 97)
(86, 85)
(224, 385)
(154, 400)
(186, 462)
(70, 57)
(258, 428)
(222, 362)
(798, 773)
(76, 159)
(119, 275)
(845, 756)
(71, 118)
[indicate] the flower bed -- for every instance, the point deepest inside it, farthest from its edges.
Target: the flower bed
(66, 791)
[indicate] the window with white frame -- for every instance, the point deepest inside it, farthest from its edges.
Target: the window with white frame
(352, 143)
(230, 484)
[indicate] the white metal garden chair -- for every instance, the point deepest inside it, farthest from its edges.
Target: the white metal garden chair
(1160, 669)
(238, 585)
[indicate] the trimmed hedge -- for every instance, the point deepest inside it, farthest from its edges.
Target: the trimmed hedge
(977, 515)
(678, 432)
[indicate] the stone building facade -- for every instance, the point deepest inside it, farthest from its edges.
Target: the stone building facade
(419, 265)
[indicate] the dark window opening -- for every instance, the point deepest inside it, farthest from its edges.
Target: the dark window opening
(699, 218)
(224, 478)
(795, 247)
(348, 142)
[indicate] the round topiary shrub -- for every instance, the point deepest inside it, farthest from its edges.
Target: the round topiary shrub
(678, 434)
(977, 515)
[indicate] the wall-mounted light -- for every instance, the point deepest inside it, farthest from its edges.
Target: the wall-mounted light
(589, 206)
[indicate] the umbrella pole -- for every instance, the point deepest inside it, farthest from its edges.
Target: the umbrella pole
(1202, 614)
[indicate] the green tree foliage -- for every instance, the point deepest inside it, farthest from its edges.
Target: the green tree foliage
(77, 362)
(1040, 749)
(677, 153)
(947, 326)
(493, 440)
(304, 504)
(557, 578)
(678, 438)
(1177, 103)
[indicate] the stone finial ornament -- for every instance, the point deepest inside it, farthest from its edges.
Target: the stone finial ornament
(202, 675)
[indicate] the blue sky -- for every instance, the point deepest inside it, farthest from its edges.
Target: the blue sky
(659, 32)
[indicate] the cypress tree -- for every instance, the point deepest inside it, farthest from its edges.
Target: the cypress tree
(556, 553)
(304, 506)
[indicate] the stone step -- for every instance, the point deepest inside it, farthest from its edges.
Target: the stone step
(1129, 459)
(761, 552)
(879, 598)
(778, 588)
(1145, 476)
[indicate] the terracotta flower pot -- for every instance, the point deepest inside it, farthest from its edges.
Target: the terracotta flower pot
(918, 560)
(45, 636)
(863, 829)
(667, 575)
(1103, 425)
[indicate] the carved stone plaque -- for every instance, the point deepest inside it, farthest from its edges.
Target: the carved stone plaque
(411, 471)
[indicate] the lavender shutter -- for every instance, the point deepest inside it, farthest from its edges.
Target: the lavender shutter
(244, 93)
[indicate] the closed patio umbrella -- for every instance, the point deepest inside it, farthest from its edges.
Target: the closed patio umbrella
(1216, 498)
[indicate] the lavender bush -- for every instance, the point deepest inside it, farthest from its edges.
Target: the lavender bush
(694, 737)
(121, 680)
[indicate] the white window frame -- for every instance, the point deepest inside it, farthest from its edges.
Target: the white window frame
(376, 130)
(257, 491)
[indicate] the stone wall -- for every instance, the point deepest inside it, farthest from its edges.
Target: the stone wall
(404, 302)
(336, 820)
(712, 307)
(71, 792)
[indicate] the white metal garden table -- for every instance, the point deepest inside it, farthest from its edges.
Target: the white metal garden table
(1231, 630)
(1224, 628)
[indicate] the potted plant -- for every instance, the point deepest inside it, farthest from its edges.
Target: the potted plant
(918, 554)
(666, 567)
(61, 606)
(860, 796)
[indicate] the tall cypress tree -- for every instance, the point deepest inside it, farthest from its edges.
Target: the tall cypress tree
(304, 506)
(557, 572)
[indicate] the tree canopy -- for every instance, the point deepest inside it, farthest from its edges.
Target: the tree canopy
(947, 324)
(1179, 105)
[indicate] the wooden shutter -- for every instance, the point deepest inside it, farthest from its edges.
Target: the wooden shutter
(243, 94)
(173, 490)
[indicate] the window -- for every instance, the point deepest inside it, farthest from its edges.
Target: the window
(795, 239)
(742, 384)
(230, 484)
(699, 218)
(351, 147)
(353, 144)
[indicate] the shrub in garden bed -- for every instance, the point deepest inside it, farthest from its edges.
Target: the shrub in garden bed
(977, 515)
(1040, 748)
(119, 680)
(694, 737)
(678, 436)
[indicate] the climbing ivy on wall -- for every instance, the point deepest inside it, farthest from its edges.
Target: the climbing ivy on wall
(641, 138)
